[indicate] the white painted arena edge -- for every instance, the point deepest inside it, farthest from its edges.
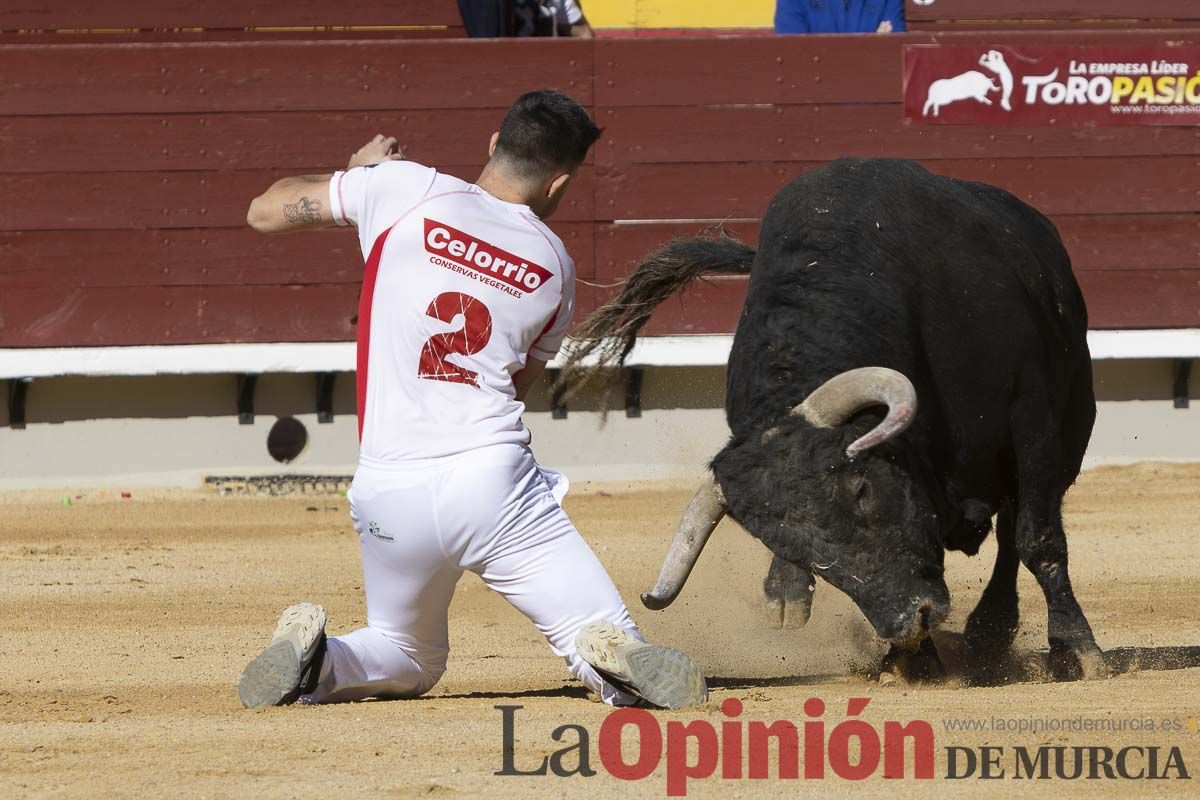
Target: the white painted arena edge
(174, 430)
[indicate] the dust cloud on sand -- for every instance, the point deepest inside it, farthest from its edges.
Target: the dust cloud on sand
(127, 622)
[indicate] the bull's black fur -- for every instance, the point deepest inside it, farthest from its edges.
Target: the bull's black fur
(967, 291)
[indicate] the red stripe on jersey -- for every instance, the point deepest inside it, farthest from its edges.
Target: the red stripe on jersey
(365, 299)
(562, 278)
(546, 329)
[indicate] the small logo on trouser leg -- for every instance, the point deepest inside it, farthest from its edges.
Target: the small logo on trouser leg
(373, 529)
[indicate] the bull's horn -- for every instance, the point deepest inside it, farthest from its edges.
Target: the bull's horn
(702, 515)
(843, 396)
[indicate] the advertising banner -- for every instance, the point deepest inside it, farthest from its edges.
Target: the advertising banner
(1052, 85)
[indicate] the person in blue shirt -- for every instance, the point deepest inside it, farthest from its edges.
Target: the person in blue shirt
(839, 16)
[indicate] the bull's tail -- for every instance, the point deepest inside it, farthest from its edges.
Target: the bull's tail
(606, 337)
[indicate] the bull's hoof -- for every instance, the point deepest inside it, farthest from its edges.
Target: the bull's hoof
(1083, 660)
(787, 614)
(922, 665)
(789, 592)
(991, 628)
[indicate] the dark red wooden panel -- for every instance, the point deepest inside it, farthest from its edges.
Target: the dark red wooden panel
(691, 191)
(1101, 242)
(177, 315)
(88, 308)
(791, 69)
(1053, 185)
(587, 299)
(169, 142)
(1164, 27)
(62, 201)
(203, 257)
(709, 306)
(1132, 241)
(794, 69)
(107, 143)
(1116, 299)
(287, 76)
(1142, 298)
(56, 14)
(579, 239)
(1054, 10)
(619, 248)
(691, 134)
(214, 256)
(248, 35)
(1090, 185)
(321, 312)
(154, 199)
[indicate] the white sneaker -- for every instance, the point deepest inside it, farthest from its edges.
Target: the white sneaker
(291, 663)
(659, 675)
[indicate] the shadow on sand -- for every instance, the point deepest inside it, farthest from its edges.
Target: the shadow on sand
(572, 690)
(1034, 666)
(1023, 667)
(967, 669)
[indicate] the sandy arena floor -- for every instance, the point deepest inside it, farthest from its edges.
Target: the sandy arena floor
(127, 622)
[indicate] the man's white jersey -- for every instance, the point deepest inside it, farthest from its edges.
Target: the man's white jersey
(460, 288)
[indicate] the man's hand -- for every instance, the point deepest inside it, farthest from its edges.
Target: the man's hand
(884, 27)
(300, 203)
(381, 148)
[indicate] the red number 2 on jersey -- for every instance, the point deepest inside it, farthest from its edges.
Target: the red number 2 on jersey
(470, 339)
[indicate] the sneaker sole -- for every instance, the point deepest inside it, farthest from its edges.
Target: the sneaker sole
(273, 677)
(660, 675)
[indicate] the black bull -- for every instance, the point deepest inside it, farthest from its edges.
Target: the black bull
(911, 360)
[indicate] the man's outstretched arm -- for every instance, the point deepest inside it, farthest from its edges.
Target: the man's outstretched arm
(301, 203)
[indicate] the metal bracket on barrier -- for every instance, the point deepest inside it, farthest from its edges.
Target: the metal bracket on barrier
(245, 398)
(633, 392)
(325, 383)
(558, 405)
(18, 388)
(1183, 379)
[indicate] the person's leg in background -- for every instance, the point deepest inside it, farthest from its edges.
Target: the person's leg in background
(488, 19)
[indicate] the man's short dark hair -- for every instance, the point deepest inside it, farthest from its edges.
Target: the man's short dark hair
(545, 131)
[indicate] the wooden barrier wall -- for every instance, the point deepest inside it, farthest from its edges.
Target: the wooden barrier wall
(58, 21)
(127, 170)
(1050, 14)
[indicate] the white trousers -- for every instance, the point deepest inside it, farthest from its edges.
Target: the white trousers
(420, 524)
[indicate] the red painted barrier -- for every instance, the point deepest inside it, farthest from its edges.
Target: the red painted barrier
(1049, 13)
(220, 15)
(129, 168)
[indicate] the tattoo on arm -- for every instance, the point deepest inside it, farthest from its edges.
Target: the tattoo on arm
(305, 210)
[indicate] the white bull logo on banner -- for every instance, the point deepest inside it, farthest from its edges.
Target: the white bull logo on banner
(973, 85)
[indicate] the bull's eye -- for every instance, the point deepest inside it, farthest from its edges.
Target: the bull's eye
(860, 489)
(864, 495)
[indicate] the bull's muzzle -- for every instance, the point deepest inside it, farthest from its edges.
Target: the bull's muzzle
(908, 629)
